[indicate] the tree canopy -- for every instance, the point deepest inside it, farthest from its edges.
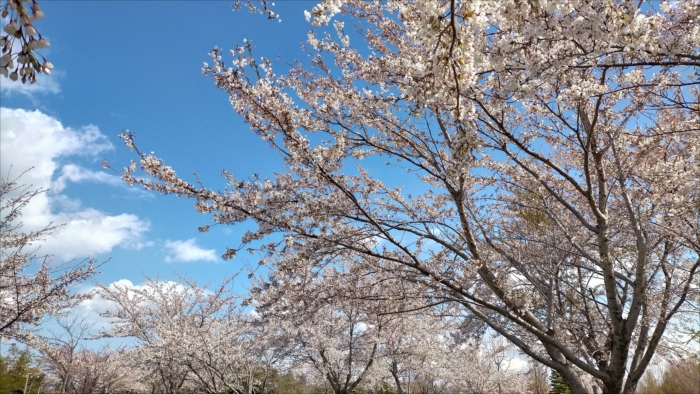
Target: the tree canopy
(552, 149)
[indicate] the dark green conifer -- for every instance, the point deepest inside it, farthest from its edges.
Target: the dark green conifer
(557, 385)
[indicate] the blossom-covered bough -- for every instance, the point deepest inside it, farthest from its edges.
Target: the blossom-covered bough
(553, 150)
(20, 41)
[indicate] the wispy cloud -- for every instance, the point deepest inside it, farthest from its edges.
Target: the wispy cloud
(75, 173)
(45, 84)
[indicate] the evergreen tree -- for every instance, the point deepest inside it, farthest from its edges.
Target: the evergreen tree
(16, 371)
(557, 385)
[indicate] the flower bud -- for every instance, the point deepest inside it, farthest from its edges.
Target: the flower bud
(21, 59)
(30, 30)
(11, 28)
(42, 43)
(48, 65)
(39, 14)
(5, 13)
(14, 76)
(5, 59)
(46, 70)
(3, 71)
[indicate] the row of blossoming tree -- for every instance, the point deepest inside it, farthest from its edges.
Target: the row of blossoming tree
(185, 338)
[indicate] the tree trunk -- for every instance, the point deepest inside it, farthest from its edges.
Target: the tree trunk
(395, 374)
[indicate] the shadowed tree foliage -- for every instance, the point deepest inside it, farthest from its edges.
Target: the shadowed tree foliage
(18, 372)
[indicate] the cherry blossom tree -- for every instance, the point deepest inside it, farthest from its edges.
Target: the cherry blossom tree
(483, 367)
(542, 166)
(144, 313)
(31, 286)
(186, 333)
(444, 355)
(331, 338)
(414, 348)
(102, 370)
(61, 348)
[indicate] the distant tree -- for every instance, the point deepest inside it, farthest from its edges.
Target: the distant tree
(61, 348)
(76, 368)
(285, 383)
(536, 378)
(679, 377)
(362, 331)
(336, 335)
(18, 373)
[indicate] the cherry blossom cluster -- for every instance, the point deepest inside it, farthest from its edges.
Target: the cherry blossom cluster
(21, 40)
(257, 6)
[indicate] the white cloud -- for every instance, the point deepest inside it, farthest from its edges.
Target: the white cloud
(90, 310)
(186, 251)
(90, 232)
(595, 281)
(34, 139)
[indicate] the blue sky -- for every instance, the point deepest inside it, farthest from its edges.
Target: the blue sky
(137, 66)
